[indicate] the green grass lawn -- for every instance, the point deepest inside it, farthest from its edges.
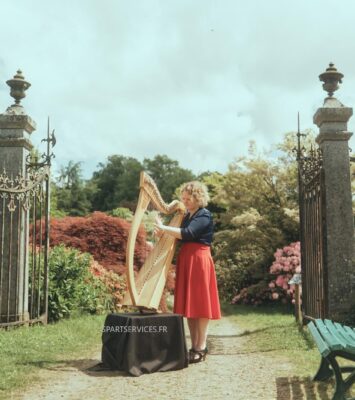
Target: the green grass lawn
(25, 350)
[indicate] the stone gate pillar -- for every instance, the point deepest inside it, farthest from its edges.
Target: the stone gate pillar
(333, 138)
(15, 145)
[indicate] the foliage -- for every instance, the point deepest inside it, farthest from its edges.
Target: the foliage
(73, 201)
(117, 183)
(229, 274)
(148, 223)
(167, 174)
(72, 287)
(115, 284)
(121, 212)
(148, 220)
(287, 262)
(70, 175)
(260, 197)
(114, 185)
(54, 210)
(214, 182)
(71, 194)
(103, 236)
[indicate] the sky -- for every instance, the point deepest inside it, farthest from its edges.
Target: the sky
(193, 79)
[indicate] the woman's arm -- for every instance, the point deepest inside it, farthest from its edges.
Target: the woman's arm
(170, 230)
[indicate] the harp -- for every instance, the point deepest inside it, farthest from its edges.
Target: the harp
(145, 291)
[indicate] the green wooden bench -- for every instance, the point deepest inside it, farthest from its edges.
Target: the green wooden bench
(334, 340)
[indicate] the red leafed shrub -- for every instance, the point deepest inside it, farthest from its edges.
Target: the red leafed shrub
(287, 263)
(101, 235)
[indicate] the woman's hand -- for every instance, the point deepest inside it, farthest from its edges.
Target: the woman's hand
(158, 227)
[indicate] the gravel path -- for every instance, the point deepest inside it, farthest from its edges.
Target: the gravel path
(226, 373)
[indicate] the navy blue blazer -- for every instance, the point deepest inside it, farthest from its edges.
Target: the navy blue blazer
(197, 228)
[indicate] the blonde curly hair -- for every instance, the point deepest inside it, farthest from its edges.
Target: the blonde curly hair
(198, 191)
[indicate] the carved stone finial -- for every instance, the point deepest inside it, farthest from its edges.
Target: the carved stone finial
(18, 87)
(331, 78)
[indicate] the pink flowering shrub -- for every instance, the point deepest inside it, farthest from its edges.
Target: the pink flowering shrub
(287, 263)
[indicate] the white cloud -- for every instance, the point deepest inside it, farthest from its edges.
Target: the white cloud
(193, 80)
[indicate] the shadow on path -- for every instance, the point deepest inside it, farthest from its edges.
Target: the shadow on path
(89, 367)
(292, 388)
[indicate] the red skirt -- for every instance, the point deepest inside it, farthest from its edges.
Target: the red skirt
(196, 293)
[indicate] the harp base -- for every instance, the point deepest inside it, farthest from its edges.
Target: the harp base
(142, 309)
(146, 310)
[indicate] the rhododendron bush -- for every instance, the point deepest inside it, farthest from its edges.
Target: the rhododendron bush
(287, 263)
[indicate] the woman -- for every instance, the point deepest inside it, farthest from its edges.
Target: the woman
(196, 293)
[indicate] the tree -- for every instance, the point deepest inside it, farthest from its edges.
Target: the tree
(71, 193)
(259, 194)
(117, 183)
(167, 174)
(70, 175)
(214, 182)
(54, 210)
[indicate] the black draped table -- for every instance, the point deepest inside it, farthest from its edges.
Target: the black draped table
(144, 343)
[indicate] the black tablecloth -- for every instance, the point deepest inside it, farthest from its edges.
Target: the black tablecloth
(144, 343)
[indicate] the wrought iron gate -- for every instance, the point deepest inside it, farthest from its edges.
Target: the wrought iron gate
(313, 233)
(24, 242)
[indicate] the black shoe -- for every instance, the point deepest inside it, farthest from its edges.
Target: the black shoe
(196, 356)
